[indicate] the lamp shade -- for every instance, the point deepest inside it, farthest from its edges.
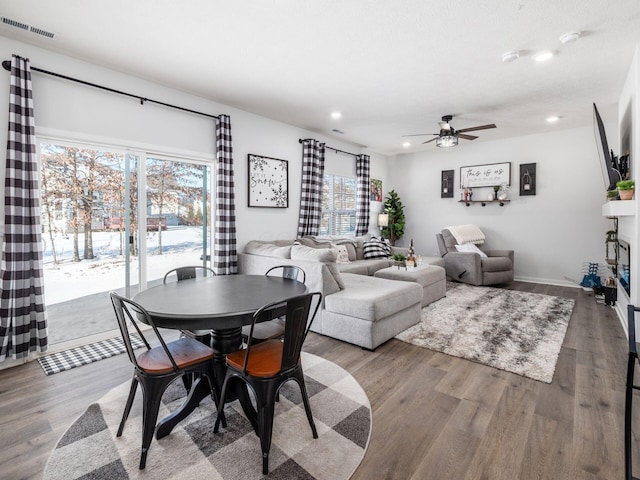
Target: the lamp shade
(447, 141)
(383, 219)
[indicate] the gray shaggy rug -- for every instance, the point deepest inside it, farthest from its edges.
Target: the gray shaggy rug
(519, 332)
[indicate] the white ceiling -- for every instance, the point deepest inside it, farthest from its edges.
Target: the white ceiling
(392, 67)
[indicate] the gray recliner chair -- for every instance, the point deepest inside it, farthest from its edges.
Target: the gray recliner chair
(471, 268)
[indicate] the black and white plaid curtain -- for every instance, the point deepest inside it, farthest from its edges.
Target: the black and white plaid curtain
(23, 319)
(362, 195)
(311, 190)
(225, 257)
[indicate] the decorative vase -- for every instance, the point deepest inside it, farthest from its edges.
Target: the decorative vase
(625, 194)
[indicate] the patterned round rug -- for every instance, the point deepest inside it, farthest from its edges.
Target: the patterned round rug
(89, 449)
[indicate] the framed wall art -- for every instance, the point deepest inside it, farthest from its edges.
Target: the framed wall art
(376, 190)
(488, 175)
(528, 179)
(268, 182)
(446, 184)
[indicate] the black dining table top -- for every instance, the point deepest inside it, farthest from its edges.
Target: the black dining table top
(216, 302)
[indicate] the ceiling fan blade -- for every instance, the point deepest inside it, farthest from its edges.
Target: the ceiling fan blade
(419, 134)
(481, 127)
(467, 137)
(429, 141)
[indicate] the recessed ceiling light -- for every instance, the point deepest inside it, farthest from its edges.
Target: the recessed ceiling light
(510, 56)
(570, 37)
(543, 56)
(336, 115)
(553, 119)
(406, 144)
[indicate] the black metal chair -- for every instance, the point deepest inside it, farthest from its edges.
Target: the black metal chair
(274, 328)
(266, 366)
(156, 368)
(631, 363)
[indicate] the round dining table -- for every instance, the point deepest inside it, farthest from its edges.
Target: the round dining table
(222, 304)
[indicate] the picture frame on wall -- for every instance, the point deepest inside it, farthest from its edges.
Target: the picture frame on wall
(488, 175)
(446, 184)
(376, 190)
(268, 182)
(527, 179)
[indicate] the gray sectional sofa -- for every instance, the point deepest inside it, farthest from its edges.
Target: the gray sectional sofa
(357, 307)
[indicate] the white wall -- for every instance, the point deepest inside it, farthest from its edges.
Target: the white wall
(628, 227)
(70, 110)
(553, 233)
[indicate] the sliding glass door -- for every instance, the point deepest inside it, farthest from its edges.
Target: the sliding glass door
(115, 220)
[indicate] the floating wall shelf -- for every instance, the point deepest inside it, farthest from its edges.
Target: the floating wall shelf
(619, 208)
(483, 202)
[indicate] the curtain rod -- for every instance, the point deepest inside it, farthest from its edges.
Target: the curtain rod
(300, 140)
(6, 64)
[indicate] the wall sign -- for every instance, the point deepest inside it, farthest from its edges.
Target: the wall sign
(485, 175)
(528, 179)
(268, 182)
(446, 184)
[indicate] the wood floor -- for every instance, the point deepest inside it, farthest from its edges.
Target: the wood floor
(434, 416)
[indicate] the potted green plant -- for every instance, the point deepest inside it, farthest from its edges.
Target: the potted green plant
(393, 207)
(612, 195)
(626, 189)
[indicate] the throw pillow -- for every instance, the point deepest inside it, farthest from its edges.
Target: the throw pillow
(258, 247)
(327, 256)
(376, 248)
(343, 254)
(470, 247)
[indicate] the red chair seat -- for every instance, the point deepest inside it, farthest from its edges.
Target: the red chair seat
(185, 351)
(265, 360)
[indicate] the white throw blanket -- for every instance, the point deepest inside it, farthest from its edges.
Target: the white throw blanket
(467, 234)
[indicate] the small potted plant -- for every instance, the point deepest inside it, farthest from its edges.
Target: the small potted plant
(626, 189)
(399, 259)
(612, 195)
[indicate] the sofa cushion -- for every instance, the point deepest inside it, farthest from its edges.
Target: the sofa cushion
(376, 248)
(372, 298)
(327, 256)
(449, 240)
(358, 267)
(343, 254)
(267, 249)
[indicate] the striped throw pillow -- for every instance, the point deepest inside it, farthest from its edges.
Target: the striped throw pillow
(376, 248)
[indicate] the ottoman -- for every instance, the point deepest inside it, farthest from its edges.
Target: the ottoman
(431, 278)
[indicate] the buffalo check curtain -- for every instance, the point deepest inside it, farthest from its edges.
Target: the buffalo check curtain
(23, 318)
(225, 257)
(362, 194)
(311, 190)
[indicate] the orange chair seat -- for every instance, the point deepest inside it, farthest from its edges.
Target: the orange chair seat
(265, 360)
(185, 351)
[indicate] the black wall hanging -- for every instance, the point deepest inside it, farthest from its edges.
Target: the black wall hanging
(528, 179)
(446, 184)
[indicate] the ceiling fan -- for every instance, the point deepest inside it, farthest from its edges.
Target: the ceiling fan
(448, 136)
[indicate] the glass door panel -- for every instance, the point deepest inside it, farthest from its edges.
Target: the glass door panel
(177, 216)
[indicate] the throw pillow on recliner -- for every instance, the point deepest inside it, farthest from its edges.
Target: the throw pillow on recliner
(376, 248)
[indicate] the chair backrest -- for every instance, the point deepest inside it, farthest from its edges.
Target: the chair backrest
(300, 312)
(631, 327)
(292, 272)
(185, 273)
(126, 312)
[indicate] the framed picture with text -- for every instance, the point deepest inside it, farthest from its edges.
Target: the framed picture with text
(488, 175)
(268, 182)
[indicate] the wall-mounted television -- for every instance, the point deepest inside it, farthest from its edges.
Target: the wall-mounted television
(610, 169)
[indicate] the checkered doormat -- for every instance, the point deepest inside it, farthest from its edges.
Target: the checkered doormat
(75, 357)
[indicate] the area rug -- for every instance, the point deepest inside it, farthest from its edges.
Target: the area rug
(519, 332)
(89, 449)
(77, 356)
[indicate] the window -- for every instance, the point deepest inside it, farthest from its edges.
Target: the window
(338, 205)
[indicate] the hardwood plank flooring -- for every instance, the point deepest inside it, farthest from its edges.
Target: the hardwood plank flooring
(434, 416)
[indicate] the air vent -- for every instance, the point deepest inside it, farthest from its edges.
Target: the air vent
(24, 26)
(39, 31)
(13, 23)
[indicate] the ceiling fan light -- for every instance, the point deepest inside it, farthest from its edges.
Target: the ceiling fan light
(446, 141)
